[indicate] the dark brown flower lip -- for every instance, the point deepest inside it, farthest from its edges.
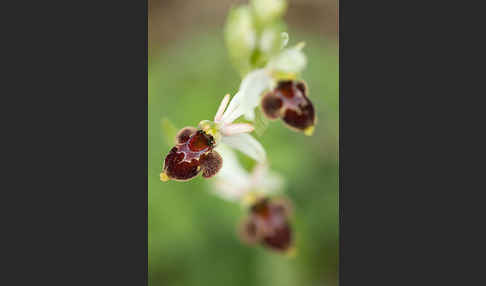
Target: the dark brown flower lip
(289, 102)
(194, 153)
(177, 167)
(268, 223)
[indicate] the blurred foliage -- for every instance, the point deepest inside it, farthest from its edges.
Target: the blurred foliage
(192, 234)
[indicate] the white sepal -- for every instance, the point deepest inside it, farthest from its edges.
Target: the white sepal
(290, 60)
(267, 181)
(232, 181)
(247, 145)
(248, 96)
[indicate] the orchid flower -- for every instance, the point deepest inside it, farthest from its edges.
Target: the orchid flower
(268, 219)
(194, 151)
(268, 223)
(270, 71)
(284, 98)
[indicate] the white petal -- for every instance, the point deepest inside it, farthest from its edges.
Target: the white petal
(231, 166)
(267, 181)
(227, 190)
(250, 115)
(247, 145)
(273, 183)
(291, 60)
(221, 108)
(248, 96)
(232, 107)
(236, 128)
(232, 181)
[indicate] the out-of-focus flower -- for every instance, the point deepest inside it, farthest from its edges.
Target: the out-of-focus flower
(267, 11)
(276, 77)
(290, 102)
(240, 37)
(194, 151)
(268, 223)
(235, 184)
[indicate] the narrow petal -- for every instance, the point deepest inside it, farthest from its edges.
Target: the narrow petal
(247, 145)
(236, 128)
(229, 114)
(222, 107)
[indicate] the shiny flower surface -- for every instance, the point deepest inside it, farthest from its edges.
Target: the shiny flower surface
(193, 153)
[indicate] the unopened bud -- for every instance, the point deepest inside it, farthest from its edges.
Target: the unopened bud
(267, 11)
(240, 37)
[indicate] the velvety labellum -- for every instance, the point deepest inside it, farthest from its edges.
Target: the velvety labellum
(268, 224)
(289, 101)
(192, 154)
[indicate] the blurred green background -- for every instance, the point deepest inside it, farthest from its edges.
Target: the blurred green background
(192, 233)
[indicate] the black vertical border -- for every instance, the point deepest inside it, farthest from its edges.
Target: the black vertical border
(389, 100)
(79, 123)
(146, 141)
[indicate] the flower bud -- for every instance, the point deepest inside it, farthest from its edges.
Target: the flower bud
(267, 11)
(240, 37)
